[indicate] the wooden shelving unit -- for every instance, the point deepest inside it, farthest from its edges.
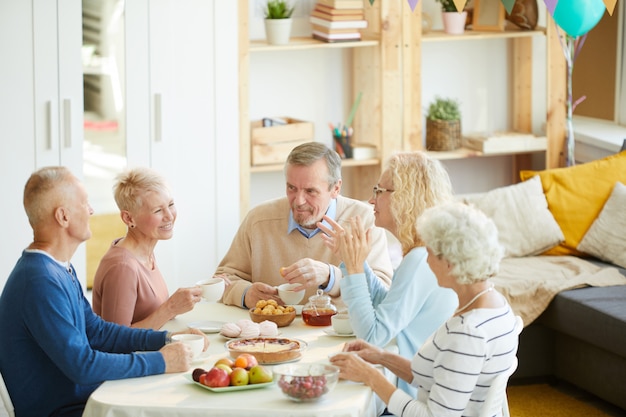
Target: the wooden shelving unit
(387, 64)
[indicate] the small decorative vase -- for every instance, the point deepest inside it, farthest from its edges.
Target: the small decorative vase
(454, 22)
(443, 135)
(278, 31)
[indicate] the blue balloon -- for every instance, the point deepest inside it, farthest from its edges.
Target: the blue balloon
(577, 17)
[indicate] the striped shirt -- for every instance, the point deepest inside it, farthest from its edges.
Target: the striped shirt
(455, 367)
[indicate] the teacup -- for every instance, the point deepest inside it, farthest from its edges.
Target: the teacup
(341, 323)
(194, 341)
(288, 295)
(212, 288)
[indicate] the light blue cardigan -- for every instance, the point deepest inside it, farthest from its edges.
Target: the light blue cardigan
(411, 309)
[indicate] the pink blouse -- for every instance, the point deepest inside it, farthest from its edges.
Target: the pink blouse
(124, 290)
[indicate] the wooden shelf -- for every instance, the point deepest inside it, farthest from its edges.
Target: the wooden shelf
(472, 35)
(345, 163)
(301, 43)
(463, 153)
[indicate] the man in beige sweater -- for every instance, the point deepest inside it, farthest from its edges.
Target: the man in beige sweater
(279, 240)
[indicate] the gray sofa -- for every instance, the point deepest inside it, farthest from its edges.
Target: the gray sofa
(580, 338)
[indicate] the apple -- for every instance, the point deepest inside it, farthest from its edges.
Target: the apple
(259, 375)
(238, 377)
(226, 361)
(246, 361)
(216, 377)
(227, 368)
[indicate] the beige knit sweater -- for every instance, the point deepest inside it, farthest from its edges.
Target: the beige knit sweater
(262, 245)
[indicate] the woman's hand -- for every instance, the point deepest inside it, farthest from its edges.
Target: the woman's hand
(352, 367)
(183, 300)
(366, 351)
(353, 245)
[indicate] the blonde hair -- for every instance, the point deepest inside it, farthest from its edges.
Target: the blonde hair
(45, 190)
(131, 184)
(419, 182)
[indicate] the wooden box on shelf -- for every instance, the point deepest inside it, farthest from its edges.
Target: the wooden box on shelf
(272, 141)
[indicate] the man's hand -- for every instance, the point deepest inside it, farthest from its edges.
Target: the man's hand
(260, 291)
(177, 356)
(307, 272)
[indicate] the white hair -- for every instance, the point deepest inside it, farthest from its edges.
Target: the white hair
(465, 237)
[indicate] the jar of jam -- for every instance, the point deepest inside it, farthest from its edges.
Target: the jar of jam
(319, 310)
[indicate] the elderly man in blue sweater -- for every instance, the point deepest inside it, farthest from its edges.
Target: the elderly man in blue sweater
(55, 351)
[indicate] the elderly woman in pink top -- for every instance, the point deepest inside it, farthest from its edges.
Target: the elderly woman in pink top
(128, 287)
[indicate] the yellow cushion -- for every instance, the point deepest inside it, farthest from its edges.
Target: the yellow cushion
(577, 194)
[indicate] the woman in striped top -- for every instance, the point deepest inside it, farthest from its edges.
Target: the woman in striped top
(455, 367)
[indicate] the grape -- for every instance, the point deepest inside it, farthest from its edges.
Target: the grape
(303, 387)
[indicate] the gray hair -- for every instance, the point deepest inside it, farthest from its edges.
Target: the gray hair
(45, 189)
(465, 237)
(309, 153)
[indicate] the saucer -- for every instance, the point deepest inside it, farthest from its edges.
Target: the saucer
(207, 326)
(332, 332)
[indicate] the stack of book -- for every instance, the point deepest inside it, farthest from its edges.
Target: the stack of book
(338, 20)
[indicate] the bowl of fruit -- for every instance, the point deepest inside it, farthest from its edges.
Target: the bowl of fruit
(306, 382)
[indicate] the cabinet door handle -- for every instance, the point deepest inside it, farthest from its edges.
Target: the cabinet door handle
(158, 121)
(67, 123)
(49, 125)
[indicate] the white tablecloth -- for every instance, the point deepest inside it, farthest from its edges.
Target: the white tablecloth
(173, 395)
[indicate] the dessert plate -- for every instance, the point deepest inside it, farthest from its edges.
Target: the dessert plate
(207, 326)
(332, 332)
(189, 378)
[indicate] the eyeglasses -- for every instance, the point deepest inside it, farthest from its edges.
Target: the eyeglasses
(379, 190)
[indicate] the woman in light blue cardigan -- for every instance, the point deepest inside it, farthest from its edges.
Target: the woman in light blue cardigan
(414, 306)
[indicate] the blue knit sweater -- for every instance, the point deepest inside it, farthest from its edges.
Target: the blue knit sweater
(55, 350)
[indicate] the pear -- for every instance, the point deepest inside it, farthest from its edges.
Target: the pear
(258, 375)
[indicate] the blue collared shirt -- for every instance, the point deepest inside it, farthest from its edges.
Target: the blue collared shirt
(332, 213)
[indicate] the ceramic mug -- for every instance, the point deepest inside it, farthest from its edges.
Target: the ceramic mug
(212, 288)
(288, 295)
(341, 323)
(194, 341)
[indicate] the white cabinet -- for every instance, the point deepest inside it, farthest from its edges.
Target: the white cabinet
(181, 110)
(41, 107)
(182, 116)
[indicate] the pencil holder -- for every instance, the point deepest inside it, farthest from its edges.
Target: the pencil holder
(343, 145)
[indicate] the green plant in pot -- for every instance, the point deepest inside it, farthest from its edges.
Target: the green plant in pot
(454, 20)
(278, 9)
(278, 21)
(443, 125)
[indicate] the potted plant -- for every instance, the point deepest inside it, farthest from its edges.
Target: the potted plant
(453, 19)
(278, 21)
(443, 125)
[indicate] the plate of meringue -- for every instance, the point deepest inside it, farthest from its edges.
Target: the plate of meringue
(246, 329)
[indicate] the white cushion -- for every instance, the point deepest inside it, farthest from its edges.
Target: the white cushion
(606, 239)
(520, 212)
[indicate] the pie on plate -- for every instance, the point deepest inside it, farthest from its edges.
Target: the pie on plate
(268, 350)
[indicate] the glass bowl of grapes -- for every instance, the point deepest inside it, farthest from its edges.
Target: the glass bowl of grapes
(306, 382)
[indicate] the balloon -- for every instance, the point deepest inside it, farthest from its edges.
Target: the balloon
(577, 17)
